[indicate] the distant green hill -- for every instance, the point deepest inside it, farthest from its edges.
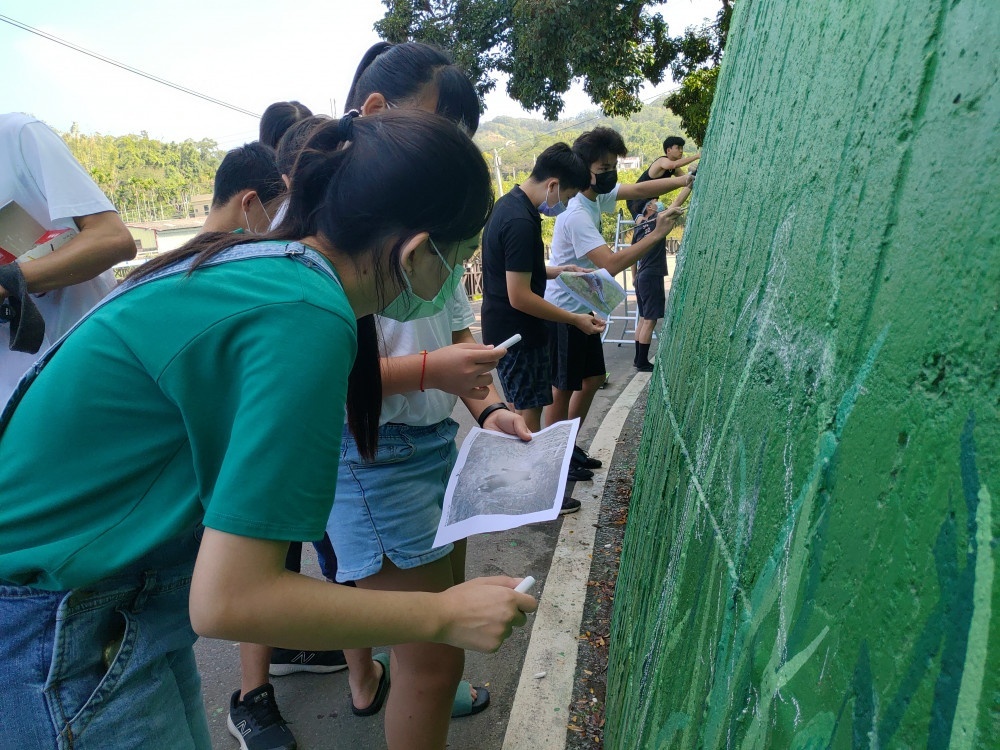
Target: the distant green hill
(643, 133)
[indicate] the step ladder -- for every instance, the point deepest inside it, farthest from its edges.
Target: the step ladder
(627, 313)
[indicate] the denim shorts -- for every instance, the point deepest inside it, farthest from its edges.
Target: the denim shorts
(526, 376)
(391, 507)
(106, 666)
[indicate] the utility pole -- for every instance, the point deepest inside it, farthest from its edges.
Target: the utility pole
(496, 167)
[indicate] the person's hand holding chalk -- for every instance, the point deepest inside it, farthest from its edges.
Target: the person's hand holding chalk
(464, 369)
(525, 586)
(509, 342)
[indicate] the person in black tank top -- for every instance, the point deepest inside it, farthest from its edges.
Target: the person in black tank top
(669, 165)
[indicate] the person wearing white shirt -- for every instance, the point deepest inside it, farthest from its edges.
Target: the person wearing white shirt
(578, 359)
(38, 172)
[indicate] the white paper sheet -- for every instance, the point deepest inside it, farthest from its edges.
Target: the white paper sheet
(501, 482)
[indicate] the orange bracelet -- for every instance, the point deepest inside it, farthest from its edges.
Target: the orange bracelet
(423, 370)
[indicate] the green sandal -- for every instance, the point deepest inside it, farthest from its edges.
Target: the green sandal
(464, 705)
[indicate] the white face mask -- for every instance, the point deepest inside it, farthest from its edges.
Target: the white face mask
(547, 209)
(247, 218)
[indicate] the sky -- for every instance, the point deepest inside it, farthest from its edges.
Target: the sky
(247, 53)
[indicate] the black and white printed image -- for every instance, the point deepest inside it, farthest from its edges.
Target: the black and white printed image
(509, 477)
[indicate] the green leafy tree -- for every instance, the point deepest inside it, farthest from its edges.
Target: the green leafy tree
(614, 46)
(146, 178)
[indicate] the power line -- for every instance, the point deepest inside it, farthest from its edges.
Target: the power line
(123, 66)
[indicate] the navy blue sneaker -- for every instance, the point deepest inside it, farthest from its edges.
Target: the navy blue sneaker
(285, 661)
(583, 459)
(257, 723)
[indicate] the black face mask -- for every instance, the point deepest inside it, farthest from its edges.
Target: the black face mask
(605, 182)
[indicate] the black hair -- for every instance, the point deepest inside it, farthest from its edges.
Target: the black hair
(294, 139)
(594, 144)
(253, 166)
(278, 118)
(561, 162)
(673, 140)
(339, 181)
(401, 71)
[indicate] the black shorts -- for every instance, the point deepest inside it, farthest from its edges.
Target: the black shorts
(526, 376)
(649, 295)
(575, 356)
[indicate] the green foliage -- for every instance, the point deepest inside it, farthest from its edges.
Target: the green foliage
(145, 178)
(694, 100)
(614, 46)
(520, 139)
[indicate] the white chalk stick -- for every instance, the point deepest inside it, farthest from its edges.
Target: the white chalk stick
(509, 342)
(525, 586)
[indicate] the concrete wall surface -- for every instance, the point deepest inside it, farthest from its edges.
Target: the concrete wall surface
(811, 552)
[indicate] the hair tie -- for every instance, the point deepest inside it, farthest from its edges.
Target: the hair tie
(345, 130)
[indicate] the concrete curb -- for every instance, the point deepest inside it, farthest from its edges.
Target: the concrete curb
(541, 705)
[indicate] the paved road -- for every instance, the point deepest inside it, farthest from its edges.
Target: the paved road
(317, 706)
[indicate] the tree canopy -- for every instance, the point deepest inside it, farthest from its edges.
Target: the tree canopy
(145, 178)
(614, 46)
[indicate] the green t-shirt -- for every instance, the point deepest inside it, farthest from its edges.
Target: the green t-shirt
(215, 398)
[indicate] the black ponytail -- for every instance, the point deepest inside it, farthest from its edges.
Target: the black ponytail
(338, 194)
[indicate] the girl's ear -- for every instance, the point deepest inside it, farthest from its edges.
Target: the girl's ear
(373, 104)
(408, 252)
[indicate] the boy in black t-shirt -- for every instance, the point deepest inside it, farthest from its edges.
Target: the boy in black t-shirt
(514, 276)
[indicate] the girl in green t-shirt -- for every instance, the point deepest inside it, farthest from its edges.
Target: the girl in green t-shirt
(217, 396)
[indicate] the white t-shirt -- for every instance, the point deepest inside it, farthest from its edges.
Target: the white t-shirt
(38, 172)
(399, 339)
(576, 233)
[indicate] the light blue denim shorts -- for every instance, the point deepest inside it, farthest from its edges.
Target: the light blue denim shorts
(106, 666)
(391, 507)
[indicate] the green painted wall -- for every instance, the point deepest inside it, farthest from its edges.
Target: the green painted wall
(811, 554)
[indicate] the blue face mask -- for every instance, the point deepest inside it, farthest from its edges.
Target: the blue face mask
(411, 306)
(545, 209)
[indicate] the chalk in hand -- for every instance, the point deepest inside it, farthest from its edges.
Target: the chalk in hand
(509, 343)
(525, 586)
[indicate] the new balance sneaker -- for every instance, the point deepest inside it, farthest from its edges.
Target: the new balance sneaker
(569, 505)
(285, 661)
(257, 723)
(582, 458)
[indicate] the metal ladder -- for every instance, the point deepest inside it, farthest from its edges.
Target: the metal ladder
(623, 228)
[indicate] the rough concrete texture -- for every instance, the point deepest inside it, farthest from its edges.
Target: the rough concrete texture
(811, 555)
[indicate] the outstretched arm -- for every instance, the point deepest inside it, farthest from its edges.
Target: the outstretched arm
(615, 263)
(652, 188)
(233, 570)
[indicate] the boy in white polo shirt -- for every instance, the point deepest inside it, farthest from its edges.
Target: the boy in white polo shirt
(578, 359)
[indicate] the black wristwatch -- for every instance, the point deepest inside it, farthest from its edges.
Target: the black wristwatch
(489, 410)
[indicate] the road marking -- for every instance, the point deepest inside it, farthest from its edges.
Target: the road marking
(540, 712)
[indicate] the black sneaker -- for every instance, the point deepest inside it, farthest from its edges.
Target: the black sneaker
(570, 505)
(582, 458)
(285, 661)
(257, 723)
(579, 474)
(644, 367)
